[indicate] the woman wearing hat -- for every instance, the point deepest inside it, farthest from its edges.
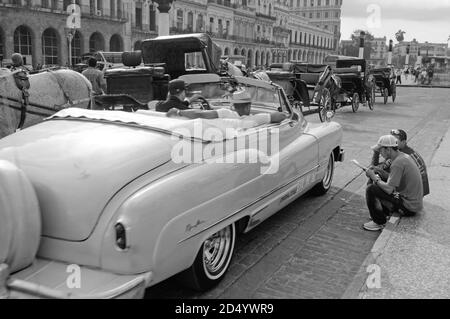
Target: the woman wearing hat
(403, 189)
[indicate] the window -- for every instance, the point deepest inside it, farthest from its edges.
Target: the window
(22, 40)
(190, 22)
(336, 14)
(180, 20)
(112, 8)
(318, 15)
(152, 18)
(211, 24)
(327, 2)
(326, 14)
(138, 23)
(318, 3)
(312, 3)
(200, 23)
(50, 47)
(76, 48)
(310, 15)
(45, 3)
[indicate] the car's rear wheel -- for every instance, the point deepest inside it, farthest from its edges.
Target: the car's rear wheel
(325, 184)
(212, 261)
(20, 219)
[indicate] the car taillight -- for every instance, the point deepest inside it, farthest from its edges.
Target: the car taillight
(121, 236)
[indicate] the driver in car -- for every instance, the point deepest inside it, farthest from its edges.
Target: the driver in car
(176, 98)
(241, 101)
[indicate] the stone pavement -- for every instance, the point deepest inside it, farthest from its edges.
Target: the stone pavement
(412, 255)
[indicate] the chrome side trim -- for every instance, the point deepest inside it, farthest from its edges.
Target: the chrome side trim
(252, 203)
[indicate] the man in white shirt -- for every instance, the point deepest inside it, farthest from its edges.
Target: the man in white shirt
(242, 104)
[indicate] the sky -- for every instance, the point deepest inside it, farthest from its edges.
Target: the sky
(424, 20)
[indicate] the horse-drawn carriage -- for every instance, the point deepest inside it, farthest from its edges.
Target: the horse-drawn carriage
(385, 83)
(357, 84)
(308, 86)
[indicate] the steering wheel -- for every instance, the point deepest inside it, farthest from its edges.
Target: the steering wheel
(203, 102)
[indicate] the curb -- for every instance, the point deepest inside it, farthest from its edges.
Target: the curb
(357, 287)
(423, 86)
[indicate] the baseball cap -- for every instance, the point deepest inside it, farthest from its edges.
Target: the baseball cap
(385, 141)
(176, 86)
(400, 134)
(241, 97)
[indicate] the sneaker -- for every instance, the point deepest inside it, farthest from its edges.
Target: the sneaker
(372, 226)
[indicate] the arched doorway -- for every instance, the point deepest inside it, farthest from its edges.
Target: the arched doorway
(257, 59)
(50, 47)
(236, 51)
(96, 42)
(249, 59)
(227, 51)
(76, 48)
(23, 43)
(115, 43)
(268, 59)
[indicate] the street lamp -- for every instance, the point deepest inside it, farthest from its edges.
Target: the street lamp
(73, 23)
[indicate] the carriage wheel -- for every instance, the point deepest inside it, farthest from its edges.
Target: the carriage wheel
(394, 92)
(355, 102)
(325, 106)
(385, 95)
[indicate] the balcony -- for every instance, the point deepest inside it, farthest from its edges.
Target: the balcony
(180, 30)
(225, 3)
(265, 16)
(279, 29)
(86, 11)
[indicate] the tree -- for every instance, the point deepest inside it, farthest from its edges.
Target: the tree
(399, 35)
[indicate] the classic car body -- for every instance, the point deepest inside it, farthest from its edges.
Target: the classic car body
(132, 198)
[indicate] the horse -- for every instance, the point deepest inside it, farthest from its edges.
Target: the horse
(26, 99)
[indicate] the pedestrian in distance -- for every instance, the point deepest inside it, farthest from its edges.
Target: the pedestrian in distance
(403, 190)
(399, 76)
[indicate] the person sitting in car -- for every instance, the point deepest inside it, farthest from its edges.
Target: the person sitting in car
(241, 101)
(176, 98)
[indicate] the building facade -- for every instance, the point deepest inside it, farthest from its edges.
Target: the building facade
(264, 31)
(37, 29)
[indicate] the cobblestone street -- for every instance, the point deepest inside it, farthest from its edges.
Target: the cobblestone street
(315, 247)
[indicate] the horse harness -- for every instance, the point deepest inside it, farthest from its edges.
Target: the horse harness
(23, 84)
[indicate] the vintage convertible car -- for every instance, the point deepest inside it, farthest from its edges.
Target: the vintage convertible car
(102, 204)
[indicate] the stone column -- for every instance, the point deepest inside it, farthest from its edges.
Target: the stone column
(164, 20)
(362, 36)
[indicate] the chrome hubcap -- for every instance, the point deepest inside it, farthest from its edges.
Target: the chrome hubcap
(217, 251)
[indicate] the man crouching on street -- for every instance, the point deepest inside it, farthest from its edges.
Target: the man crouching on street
(402, 191)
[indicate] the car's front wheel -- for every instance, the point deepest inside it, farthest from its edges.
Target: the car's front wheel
(325, 184)
(212, 261)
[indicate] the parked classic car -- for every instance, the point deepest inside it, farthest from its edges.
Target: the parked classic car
(102, 204)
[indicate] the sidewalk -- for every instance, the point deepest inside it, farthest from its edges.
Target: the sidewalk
(410, 83)
(413, 254)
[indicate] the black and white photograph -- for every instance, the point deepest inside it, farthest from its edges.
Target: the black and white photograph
(224, 157)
